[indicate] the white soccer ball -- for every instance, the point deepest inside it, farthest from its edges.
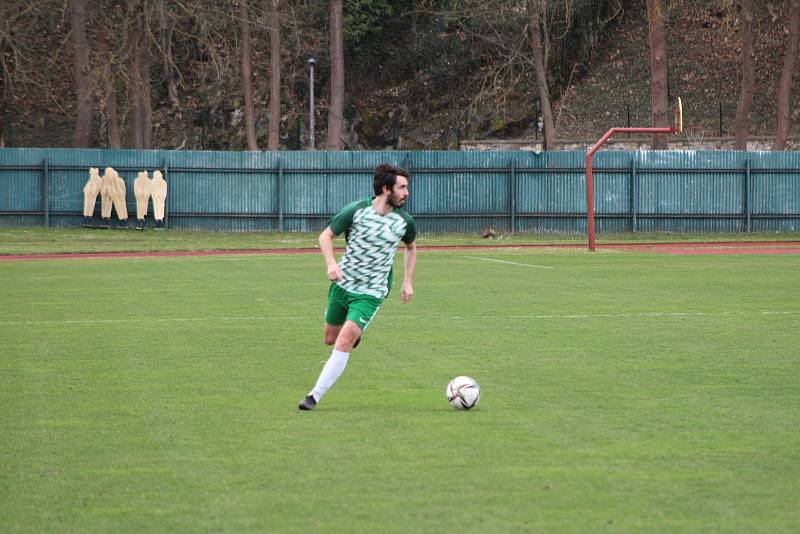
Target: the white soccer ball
(463, 393)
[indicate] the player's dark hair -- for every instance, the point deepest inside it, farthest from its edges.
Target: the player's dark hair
(386, 176)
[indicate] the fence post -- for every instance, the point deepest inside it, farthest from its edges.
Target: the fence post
(512, 194)
(634, 195)
(747, 194)
(628, 118)
(46, 193)
(280, 195)
(166, 201)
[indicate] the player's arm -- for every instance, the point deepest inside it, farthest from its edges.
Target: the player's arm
(326, 246)
(407, 290)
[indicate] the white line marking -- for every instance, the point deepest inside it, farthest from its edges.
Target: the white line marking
(509, 262)
(152, 320)
(569, 316)
(392, 317)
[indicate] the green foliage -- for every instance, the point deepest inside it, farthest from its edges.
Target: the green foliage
(364, 17)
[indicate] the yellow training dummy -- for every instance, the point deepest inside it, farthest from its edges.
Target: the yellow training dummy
(158, 191)
(141, 190)
(118, 196)
(90, 192)
(106, 195)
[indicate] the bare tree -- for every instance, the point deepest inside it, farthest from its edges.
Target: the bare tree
(5, 71)
(273, 142)
(82, 136)
(541, 75)
(336, 109)
(785, 88)
(140, 116)
(167, 21)
(109, 100)
(112, 114)
(247, 80)
(748, 76)
(658, 71)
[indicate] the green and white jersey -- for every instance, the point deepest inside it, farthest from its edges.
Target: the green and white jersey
(372, 241)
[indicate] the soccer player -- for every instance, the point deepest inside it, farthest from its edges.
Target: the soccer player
(363, 277)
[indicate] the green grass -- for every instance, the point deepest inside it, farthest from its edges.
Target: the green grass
(620, 392)
(41, 240)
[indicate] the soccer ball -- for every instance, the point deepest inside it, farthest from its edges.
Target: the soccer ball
(463, 393)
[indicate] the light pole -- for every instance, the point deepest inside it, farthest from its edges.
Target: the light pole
(311, 63)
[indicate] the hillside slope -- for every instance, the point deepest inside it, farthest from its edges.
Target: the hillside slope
(704, 67)
(428, 89)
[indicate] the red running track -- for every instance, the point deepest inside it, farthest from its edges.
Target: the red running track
(739, 247)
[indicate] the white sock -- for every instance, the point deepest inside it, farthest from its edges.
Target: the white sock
(330, 373)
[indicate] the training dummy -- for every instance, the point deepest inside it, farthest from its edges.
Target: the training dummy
(158, 192)
(118, 197)
(141, 190)
(90, 192)
(106, 196)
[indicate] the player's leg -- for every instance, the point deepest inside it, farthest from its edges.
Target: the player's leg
(330, 332)
(349, 334)
(361, 311)
(335, 316)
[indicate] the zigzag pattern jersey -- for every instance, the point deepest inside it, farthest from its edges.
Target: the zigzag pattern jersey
(372, 241)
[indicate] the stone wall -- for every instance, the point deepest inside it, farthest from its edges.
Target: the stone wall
(622, 142)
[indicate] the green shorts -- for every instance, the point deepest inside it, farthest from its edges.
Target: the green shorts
(345, 306)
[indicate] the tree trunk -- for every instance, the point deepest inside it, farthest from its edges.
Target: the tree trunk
(748, 77)
(247, 80)
(336, 109)
(167, 25)
(541, 75)
(141, 129)
(110, 96)
(135, 87)
(147, 112)
(5, 74)
(275, 75)
(83, 86)
(784, 92)
(658, 71)
(112, 117)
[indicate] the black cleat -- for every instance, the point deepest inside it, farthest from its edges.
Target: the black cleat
(308, 403)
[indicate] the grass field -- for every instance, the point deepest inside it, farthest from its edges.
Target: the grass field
(620, 392)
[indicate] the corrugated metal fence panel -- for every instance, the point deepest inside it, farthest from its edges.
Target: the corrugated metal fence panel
(305, 193)
(775, 192)
(550, 193)
(229, 191)
(458, 191)
(451, 191)
(442, 186)
(679, 191)
(21, 190)
(612, 191)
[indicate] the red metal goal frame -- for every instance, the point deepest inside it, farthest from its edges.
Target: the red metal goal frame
(676, 129)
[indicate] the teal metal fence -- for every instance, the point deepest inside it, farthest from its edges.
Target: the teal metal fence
(680, 191)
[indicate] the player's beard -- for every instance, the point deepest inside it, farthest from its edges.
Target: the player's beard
(396, 202)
